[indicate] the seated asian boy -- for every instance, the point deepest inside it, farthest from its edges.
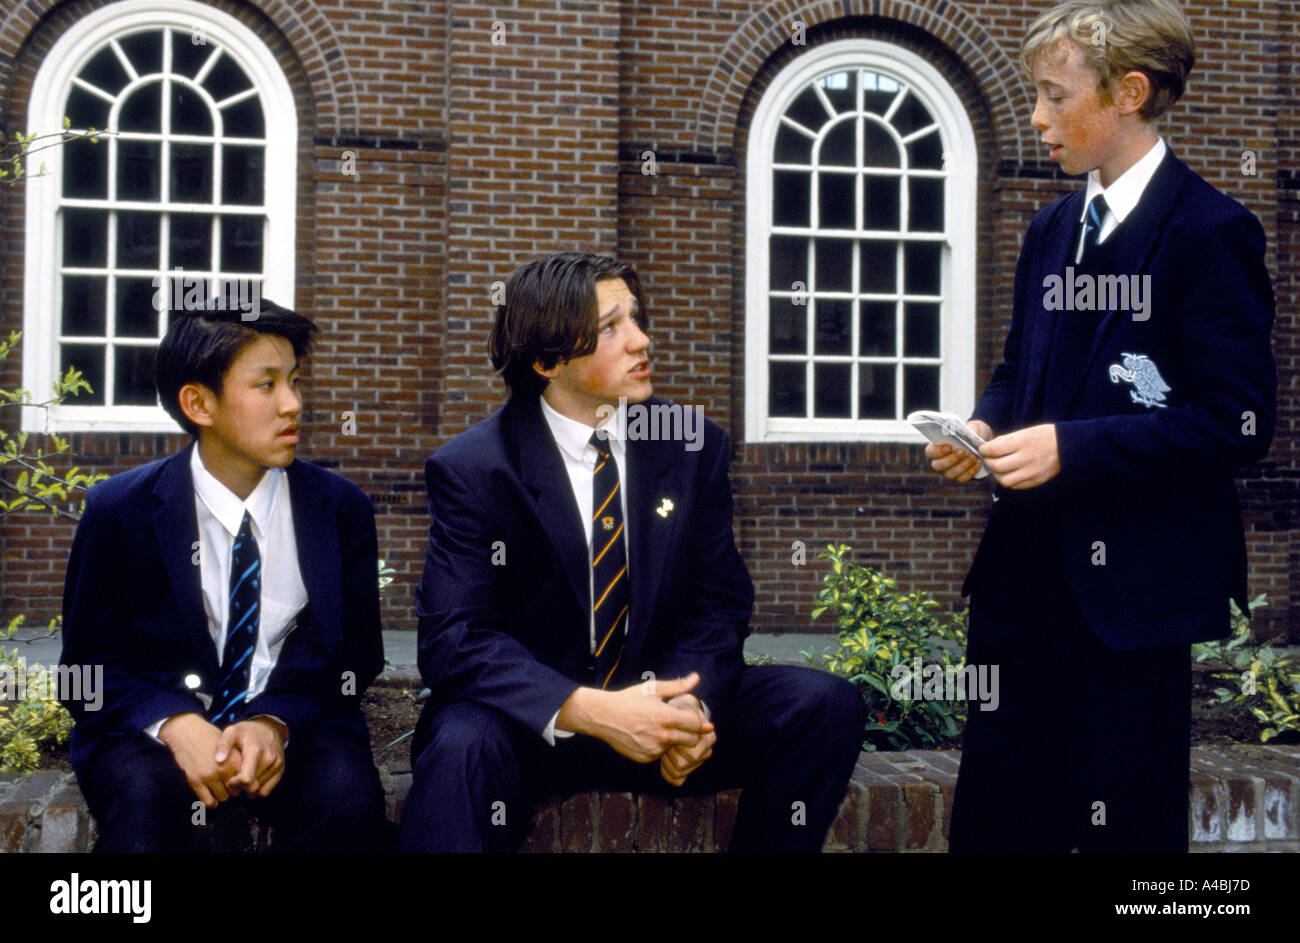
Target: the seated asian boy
(230, 595)
(583, 606)
(1116, 420)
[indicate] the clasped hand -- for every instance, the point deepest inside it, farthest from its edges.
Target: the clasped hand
(654, 720)
(247, 756)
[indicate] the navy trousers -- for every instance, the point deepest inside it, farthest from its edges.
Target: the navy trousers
(789, 740)
(329, 799)
(1089, 746)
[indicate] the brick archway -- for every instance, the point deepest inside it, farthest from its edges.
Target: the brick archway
(307, 31)
(998, 76)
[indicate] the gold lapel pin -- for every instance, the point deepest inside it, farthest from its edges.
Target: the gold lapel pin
(664, 507)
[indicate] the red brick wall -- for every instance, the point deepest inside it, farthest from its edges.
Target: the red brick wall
(473, 155)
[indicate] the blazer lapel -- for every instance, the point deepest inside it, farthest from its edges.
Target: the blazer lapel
(318, 554)
(1135, 240)
(650, 533)
(1058, 253)
(176, 530)
(542, 470)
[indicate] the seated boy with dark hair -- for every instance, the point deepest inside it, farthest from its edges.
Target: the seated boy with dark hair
(230, 595)
(584, 607)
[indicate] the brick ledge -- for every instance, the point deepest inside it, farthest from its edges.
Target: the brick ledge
(1243, 798)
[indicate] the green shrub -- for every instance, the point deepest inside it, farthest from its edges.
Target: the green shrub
(882, 633)
(1267, 684)
(34, 722)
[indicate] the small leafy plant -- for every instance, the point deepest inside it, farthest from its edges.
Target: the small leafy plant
(883, 631)
(1267, 684)
(31, 720)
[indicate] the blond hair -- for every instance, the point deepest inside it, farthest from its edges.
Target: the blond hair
(1118, 37)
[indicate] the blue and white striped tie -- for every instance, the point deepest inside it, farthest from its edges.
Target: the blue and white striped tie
(242, 620)
(1092, 224)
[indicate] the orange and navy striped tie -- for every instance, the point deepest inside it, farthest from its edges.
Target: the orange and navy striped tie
(609, 581)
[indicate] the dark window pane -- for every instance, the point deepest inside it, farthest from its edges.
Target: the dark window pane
(788, 326)
(133, 375)
(926, 152)
(833, 396)
(144, 50)
(226, 79)
(238, 294)
(878, 266)
(920, 330)
(833, 321)
(911, 115)
(835, 197)
(879, 92)
(85, 110)
(921, 264)
(789, 263)
(834, 265)
(136, 315)
(243, 175)
(142, 111)
(920, 388)
(186, 291)
(880, 204)
(188, 56)
(792, 147)
(839, 89)
(840, 147)
(787, 393)
(879, 146)
(791, 192)
(877, 330)
(244, 119)
(137, 240)
(89, 359)
(190, 242)
(241, 243)
(139, 165)
(85, 238)
(192, 173)
(83, 305)
(925, 204)
(808, 110)
(85, 169)
(105, 72)
(190, 114)
(876, 391)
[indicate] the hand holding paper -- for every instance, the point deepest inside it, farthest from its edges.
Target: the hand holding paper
(954, 448)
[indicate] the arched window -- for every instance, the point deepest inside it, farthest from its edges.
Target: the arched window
(189, 197)
(860, 248)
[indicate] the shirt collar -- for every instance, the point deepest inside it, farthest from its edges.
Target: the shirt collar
(225, 504)
(1123, 194)
(574, 437)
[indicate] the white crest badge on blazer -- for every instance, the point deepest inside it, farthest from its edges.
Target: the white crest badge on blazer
(665, 506)
(1149, 387)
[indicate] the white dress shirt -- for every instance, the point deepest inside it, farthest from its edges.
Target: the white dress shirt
(573, 440)
(1122, 195)
(220, 514)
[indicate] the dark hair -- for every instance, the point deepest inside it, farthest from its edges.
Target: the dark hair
(550, 315)
(200, 346)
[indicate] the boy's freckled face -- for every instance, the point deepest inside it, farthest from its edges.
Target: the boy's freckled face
(1079, 129)
(255, 420)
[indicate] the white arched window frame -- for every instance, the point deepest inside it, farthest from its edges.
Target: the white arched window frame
(203, 26)
(956, 355)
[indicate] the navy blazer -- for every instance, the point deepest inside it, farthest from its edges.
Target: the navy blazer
(504, 607)
(1146, 467)
(133, 603)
